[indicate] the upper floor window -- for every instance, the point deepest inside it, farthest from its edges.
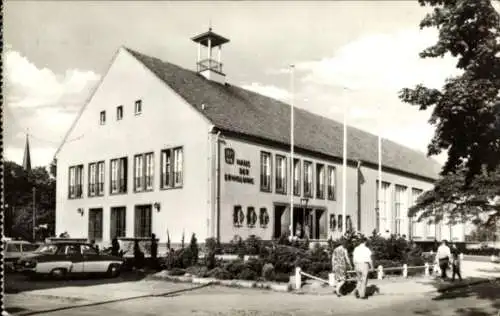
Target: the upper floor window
(119, 175)
(280, 174)
(320, 181)
(75, 182)
(308, 182)
(171, 168)
(119, 112)
(296, 177)
(143, 172)
(96, 178)
(331, 183)
(400, 208)
(102, 118)
(138, 107)
(265, 171)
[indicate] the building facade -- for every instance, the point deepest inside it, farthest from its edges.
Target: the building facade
(161, 148)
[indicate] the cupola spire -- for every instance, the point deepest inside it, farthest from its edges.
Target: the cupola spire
(209, 67)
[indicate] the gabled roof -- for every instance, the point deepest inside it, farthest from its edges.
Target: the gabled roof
(245, 112)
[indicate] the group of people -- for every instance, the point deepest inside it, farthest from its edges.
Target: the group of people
(446, 258)
(361, 262)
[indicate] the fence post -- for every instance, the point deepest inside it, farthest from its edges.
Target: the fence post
(405, 270)
(380, 273)
(426, 269)
(493, 258)
(331, 279)
(461, 256)
(298, 279)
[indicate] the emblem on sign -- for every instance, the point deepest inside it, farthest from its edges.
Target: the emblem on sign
(229, 155)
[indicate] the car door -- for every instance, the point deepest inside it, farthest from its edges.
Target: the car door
(92, 259)
(74, 255)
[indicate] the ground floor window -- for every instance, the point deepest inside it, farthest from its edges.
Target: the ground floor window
(143, 221)
(95, 224)
(118, 218)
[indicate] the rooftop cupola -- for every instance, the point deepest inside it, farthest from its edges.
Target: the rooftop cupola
(209, 67)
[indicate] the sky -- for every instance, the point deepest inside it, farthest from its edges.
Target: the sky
(350, 57)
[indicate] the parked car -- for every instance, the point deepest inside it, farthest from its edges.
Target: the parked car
(68, 258)
(14, 250)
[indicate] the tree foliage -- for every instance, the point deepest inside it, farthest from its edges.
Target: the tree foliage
(466, 111)
(19, 200)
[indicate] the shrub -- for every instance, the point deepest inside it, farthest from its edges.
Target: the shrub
(177, 272)
(199, 271)
(211, 247)
(193, 246)
(255, 265)
(268, 271)
(281, 277)
(234, 267)
(220, 273)
(284, 258)
(247, 274)
(253, 245)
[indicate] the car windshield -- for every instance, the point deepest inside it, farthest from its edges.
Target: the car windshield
(30, 247)
(50, 249)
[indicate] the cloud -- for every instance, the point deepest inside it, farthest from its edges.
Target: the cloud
(268, 90)
(43, 102)
(382, 62)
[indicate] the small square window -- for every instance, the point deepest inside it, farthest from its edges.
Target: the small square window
(138, 107)
(102, 119)
(119, 113)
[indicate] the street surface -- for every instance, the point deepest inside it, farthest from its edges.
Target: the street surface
(128, 295)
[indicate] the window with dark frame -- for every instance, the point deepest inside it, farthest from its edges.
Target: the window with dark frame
(96, 179)
(75, 189)
(263, 217)
(102, 118)
(143, 221)
(265, 171)
(95, 224)
(238, 216)
(138, 107)
(251, 216)
(143, 172)
(281, 172)
(296, 177)
(331, 183)
(308, 181)
(320, 181)
(119, 113)
(118, 222)
(172, 165)
(119, 178)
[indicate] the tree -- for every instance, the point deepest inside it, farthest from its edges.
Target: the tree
(19, 200)
(467, 109)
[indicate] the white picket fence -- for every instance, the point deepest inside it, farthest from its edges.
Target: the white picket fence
(380, 273)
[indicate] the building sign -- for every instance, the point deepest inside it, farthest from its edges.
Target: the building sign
(243, 167)
(229, 155)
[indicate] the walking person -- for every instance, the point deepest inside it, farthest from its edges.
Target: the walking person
(340, 264)
(455, 254)
(362, 257)
(154, 252)
(443, 256)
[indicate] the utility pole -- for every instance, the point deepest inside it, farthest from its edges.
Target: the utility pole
(34, 213)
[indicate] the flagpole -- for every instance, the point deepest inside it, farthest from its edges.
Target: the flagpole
(292, 67)
(379, 170)
(344, 176)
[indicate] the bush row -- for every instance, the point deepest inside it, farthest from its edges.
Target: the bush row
(277, 259)
(482, 252)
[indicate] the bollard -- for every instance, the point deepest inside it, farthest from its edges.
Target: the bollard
(493, 258)
(461, 256)
(426, 272)
(298, 279)
(405, 270)
(380, 273)
(331, 279)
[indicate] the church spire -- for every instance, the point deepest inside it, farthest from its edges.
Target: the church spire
(27, 156)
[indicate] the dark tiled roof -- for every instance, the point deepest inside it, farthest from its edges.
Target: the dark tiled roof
(241, 111)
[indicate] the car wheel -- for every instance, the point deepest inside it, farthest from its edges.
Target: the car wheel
(114, 270)
(58, 273)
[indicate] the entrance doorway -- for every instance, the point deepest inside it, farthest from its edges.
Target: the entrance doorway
(306, 222)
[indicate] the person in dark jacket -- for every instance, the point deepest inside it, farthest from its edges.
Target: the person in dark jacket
(154, 252)
(138, 255)
(455, 263)
(115, 247)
